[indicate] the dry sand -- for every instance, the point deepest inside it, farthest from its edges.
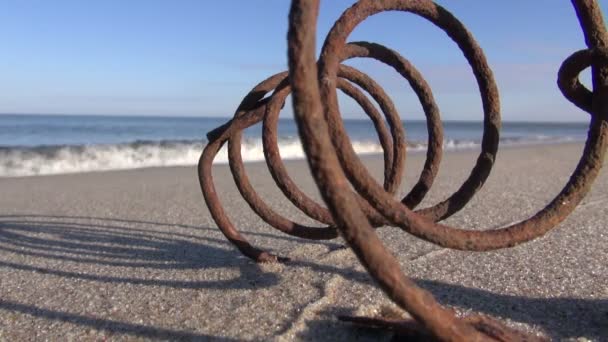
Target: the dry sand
(130, 255)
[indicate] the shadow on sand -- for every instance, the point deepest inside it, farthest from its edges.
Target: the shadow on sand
(164, 246)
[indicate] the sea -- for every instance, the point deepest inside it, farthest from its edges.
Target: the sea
(55, 144)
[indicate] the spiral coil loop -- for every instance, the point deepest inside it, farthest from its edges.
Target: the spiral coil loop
(313, 85)
(256, 108)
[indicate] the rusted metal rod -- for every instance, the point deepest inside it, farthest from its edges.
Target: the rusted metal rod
(313, 84)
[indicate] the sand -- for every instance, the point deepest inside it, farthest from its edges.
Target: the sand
(135, 255)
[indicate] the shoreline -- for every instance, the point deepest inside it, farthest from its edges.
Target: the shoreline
(411, 152)
(135, 255)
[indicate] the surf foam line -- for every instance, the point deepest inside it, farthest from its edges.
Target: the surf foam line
(59, 159)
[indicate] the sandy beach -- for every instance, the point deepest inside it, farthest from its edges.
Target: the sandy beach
(135, 255)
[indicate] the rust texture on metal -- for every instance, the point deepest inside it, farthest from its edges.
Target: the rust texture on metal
(356, 202)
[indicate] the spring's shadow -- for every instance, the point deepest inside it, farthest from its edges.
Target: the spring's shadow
(120, 243)
(112, 326)
(110, 243)
(560, 318)
(113, 246)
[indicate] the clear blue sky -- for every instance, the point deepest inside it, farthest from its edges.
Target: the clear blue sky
(195, 57)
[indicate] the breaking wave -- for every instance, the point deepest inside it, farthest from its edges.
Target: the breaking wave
(58, 159)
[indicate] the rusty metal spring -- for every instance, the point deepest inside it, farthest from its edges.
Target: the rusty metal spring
(313, 86)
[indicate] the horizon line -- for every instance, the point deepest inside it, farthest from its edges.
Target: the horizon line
(194, 116)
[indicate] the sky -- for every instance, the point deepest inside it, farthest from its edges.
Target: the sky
(199, 58)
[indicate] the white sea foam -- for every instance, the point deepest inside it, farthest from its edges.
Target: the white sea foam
(46, 160)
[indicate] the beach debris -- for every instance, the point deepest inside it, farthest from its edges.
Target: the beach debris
(338, 171)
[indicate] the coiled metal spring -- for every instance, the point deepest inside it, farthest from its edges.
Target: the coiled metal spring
(313, 84)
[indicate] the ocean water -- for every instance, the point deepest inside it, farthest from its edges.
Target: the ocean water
(54, 144)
